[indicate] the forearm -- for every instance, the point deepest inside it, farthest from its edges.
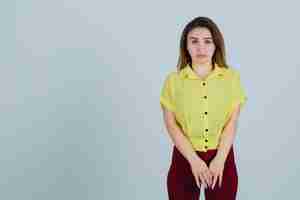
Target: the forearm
(226, 141)
(228, 135)
(181, 142)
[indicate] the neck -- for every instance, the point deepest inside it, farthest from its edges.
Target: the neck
(202, 66)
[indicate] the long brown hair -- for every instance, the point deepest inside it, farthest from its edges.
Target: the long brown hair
(219, 54)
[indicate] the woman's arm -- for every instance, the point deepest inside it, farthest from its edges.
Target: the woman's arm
(177, 136)
(228, 135)
(199, 168)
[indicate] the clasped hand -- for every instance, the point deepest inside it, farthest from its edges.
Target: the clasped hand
(208, 175)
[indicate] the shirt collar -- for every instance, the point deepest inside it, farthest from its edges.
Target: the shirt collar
(188, 73)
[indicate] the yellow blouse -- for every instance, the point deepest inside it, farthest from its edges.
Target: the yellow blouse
(202, 106)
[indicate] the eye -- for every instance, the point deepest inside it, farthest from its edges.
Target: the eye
(208, 41)
(194, 41)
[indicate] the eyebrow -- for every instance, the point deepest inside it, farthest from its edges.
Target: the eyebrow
(191, 37)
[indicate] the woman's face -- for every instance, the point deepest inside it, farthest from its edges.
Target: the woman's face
(200, 45)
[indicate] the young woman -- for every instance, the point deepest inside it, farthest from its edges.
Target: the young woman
(201, 103)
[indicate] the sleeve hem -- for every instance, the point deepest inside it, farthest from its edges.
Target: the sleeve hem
(167, 104)
(242, 101)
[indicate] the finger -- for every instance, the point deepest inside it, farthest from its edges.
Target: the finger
(220, 179)
(197, 181)
(211, 177)
(206, 178)
(202, 180)
(214, 181)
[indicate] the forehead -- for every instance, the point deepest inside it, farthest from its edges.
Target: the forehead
(199, 32)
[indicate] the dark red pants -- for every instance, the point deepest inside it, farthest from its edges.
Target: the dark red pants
(181, 183)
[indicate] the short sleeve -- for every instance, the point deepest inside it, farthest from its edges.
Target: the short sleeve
(167, 93)
(239, 95)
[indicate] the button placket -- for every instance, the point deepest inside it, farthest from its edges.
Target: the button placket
(205, 114)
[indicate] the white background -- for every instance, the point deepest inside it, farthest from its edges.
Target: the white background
(80, 114)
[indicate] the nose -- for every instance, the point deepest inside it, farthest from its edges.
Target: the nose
(201, 47)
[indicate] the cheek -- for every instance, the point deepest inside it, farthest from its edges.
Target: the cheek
(192, 50)
(211, 51)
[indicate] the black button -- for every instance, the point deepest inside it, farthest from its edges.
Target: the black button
(205, 113)
(203, 84)
(206, 130)
(206, 140)
(205, 97)
(206, 147)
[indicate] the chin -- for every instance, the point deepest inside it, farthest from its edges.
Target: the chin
(201, 61)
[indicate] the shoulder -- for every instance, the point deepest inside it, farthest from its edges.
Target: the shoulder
(172, 76)
(232, 72)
